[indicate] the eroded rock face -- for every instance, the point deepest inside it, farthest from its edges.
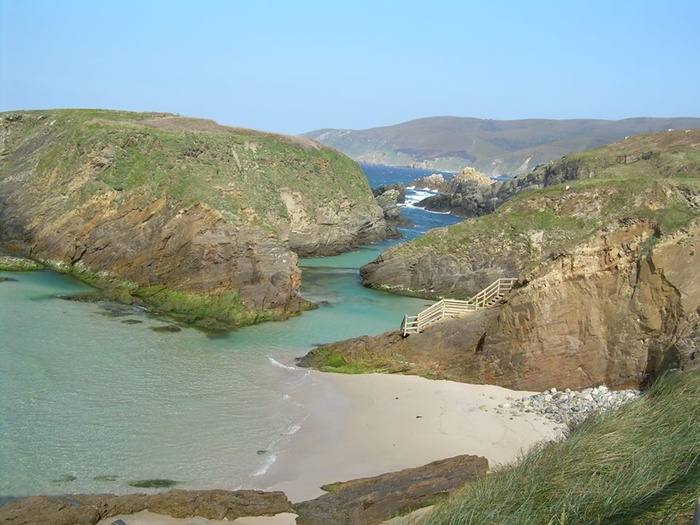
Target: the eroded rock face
(389, 197)
(195, 249)
(606, 313)
(144, 202)
(330, 228)
(373, 500)
(611, 311)
(439, 274)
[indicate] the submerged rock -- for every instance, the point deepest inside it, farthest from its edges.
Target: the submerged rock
(170, 328)
(153, 483)
(88, 509)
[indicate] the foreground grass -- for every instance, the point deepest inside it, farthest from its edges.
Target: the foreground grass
(638, 465)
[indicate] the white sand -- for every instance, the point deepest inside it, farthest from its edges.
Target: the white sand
(366, 425)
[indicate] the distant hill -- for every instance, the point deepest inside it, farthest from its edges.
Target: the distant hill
(494, 147)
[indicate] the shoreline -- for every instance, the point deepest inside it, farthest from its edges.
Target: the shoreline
(366, 425)
(370, 424)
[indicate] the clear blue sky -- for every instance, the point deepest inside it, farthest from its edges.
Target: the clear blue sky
(299, 65)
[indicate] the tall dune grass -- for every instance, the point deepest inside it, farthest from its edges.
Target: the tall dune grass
(637, 465)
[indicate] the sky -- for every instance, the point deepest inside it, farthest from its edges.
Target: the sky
(301, 65)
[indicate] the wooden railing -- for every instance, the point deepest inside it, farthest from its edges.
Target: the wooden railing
(489, 296)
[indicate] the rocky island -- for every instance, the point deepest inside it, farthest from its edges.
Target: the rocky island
(195, 219)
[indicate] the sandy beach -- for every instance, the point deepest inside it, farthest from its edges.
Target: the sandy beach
(366, 425)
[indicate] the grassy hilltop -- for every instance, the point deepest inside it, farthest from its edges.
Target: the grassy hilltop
(653, 177)
(145, 155)
(184, 214)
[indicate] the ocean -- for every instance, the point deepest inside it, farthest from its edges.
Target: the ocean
(93, 399)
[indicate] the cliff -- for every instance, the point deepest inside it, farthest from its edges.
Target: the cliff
(183, 214)
(609, 278)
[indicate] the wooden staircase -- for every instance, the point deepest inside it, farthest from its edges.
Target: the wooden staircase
(489, 296)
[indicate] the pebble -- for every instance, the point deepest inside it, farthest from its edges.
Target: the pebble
(570, 406)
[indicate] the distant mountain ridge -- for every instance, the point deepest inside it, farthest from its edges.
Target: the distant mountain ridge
(494, 147)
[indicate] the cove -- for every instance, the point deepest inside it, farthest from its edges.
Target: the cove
(92, 399)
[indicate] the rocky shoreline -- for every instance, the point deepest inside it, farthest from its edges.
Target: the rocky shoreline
(569, 406)
(362, 501)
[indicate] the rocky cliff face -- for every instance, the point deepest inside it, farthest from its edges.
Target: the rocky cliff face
(661, 155)
(605, 313)
(608, 312)
(609, 270)
(548, 212)
(181, 213)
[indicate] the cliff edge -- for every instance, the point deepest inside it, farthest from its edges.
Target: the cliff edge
(194, 218)
(608, 261)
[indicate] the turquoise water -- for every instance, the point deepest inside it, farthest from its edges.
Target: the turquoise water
(91, 398)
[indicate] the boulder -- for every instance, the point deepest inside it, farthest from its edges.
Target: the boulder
(373, 500)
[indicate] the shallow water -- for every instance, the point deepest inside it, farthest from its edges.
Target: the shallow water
(91, 398)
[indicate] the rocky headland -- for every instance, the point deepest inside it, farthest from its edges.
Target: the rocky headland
(468, 193)
(606, 253)
(190, 217)
(471, 194)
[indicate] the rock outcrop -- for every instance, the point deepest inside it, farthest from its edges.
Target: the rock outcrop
(190, 216)
(609, 273)
(389, 197)
(606, 312)
(369, 501)
(466, 194)
(437, 182)
(88, 509)
(363, 501)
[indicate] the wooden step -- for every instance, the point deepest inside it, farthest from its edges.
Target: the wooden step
(486, 298)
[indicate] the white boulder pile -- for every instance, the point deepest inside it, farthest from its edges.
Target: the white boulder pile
(569, 406)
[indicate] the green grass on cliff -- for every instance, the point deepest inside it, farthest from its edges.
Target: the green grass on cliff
(531, 226)
(143, 156)
(636, 466)
(653, 177)
(123, 161)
